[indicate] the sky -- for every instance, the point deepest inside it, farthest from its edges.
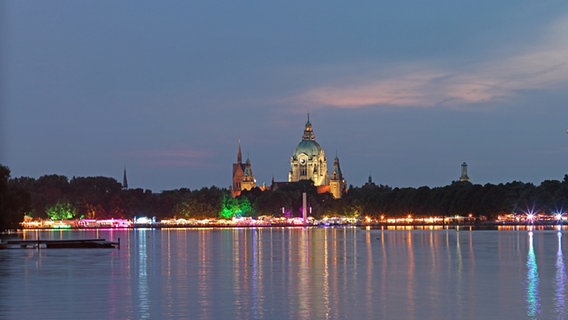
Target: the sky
(404, 91)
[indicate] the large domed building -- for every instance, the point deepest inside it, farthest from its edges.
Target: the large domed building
(308, 161)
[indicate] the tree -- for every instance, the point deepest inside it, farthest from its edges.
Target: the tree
(233, 207)
(61, 211)
(14, 201)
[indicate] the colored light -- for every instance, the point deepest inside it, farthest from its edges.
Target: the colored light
(61, 211)
(143, 220)
(533, 296)
(232, 207)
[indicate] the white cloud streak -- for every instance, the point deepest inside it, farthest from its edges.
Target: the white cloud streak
(542, 65)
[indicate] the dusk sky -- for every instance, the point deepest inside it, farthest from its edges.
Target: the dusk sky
(403, 90)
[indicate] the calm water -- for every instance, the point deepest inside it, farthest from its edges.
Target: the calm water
(294, 273)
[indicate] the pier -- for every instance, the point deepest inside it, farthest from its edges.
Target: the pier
(60, 244)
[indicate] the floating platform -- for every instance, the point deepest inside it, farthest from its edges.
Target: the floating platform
(60, 244)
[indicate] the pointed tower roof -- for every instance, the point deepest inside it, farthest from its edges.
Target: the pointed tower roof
(124, 180)
(308, 131)
(248, 167)
(336, 173)
(248, 170)
(308, 145)
(239, 154)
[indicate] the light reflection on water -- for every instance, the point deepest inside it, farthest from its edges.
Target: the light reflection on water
(141, 259)
(290, 273)
(533, 298)
(560, 297)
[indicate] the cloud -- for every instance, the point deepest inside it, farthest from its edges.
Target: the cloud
(543, 65)
(175, 157)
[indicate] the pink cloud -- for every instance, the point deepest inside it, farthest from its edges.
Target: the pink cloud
(177, 157)
(543, 65)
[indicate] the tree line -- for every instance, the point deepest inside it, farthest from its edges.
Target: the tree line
(57, 197)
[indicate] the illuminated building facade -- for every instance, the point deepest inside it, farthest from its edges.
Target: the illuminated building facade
(309, 163)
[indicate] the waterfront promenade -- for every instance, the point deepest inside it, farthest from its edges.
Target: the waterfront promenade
(268, 221)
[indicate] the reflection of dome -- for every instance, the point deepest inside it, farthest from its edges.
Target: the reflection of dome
(308, 147)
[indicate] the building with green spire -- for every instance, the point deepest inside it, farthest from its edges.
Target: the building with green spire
(243, 178)
(336, 182)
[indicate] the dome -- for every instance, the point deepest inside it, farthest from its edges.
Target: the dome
(309, 147)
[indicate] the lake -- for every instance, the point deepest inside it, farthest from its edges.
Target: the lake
(290, 273)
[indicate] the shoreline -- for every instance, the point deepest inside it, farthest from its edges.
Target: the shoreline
(486, 225)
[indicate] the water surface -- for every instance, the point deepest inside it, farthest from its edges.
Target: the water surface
(289, 273)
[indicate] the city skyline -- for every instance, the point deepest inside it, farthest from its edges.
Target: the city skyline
(405, 92)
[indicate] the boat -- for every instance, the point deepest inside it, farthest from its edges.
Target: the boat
(60, 244)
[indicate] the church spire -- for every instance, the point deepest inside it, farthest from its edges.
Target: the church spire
(336, 174)
(248, 167)
(239, 154)
(336, 183)
(124, 180)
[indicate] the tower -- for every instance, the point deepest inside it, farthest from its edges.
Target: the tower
(243, 178)
(248, 182)
(124, 180)
(308, 161)
(369, 182)
(336, 182)
(464, 177)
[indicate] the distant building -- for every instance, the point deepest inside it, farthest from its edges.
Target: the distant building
(464, 177)
(243, 178)
(369, 182)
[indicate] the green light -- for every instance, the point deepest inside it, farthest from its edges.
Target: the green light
(533, 298)
(61, 226)
(61, 211)
(232, 207)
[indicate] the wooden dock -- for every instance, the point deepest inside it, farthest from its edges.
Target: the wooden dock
(60, 244)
